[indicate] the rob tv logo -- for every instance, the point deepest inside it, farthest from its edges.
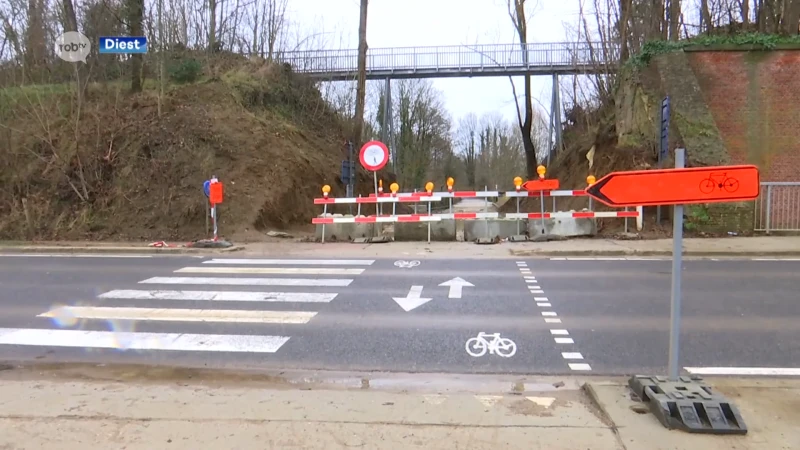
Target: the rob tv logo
(122, 44)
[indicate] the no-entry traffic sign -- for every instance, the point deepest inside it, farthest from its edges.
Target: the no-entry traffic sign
(374, 155)
(677, 186)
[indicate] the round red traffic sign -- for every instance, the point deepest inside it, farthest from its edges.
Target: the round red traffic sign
(374, 155)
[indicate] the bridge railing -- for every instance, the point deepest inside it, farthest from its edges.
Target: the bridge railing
(452, 57)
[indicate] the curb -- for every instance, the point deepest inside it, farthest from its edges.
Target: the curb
(793, 253)
(132, 250)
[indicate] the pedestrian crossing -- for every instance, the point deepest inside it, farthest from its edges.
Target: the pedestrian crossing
(210, 298)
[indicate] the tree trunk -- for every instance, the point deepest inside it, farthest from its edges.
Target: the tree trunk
(135, 19)
(71, 24)
(361, 87)
(212, 25)
(525, 125)
(674, 19)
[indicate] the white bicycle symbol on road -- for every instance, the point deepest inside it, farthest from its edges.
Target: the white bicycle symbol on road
(478, 346)
(406, 264)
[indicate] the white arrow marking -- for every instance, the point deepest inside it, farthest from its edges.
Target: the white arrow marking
(412, 300)
(456, 285)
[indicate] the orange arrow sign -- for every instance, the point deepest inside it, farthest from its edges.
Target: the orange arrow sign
(677, 186)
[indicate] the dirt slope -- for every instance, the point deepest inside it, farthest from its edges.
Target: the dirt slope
(115, 169)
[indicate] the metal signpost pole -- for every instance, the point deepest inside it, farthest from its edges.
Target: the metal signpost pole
(377, 205)
(677, 266)
(663, 149)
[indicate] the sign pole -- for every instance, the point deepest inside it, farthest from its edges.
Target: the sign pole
(377, 204)
(677, 267)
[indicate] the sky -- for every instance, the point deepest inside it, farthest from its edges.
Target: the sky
(404, 23)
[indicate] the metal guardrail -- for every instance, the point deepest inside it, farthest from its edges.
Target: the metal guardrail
(778, 207)
(442, 61)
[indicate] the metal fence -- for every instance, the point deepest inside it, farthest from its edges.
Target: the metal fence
(778, 207)
(452, 57)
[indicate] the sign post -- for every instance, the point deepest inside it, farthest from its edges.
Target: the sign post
(214, 198)
(680, 402)
(373, 156)
(677, 267)
(663, 150)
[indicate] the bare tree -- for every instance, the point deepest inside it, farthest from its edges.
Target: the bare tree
(135, 16)
(516, 11)
(466, 135)
(361, 89)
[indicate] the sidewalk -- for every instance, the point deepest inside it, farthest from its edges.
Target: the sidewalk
(39, 411)
(761, 246)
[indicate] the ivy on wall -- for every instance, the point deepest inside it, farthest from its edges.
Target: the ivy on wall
(756, 41)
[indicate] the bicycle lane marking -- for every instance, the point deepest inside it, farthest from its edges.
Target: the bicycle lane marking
(560, 335)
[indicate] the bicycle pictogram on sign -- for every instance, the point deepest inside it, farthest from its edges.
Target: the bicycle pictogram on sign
(719, 180)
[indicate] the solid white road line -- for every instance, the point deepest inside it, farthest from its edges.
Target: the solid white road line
(330, 282)
(179, 315)
(142, 341)
(564, 340)
(580, 366)
(741, 371)
(222, 296)
(70, 255)
(295, 262)
(571, 355)
(272, 270)
(775, 259)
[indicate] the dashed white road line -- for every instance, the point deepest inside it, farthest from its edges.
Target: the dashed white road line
(294, 262)
(273, 270)
(560, 335)
(327, 282)
(142, 341)
(221, 296)
(743, 371)
(179, 315)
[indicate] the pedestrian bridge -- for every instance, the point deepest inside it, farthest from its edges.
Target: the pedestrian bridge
(564, 58)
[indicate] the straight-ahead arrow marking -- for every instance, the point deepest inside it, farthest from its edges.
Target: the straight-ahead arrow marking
(456, 285)
(413, 300)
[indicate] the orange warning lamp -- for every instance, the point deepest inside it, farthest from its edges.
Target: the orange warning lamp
(326, 190)
(518, 183)
(450, 183)
(429, 187)
(590, 180)
(380, 186)
(394, 188)
(541, 170)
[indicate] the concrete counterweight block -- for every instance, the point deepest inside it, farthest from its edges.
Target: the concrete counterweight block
(566, 227)
(492, 228)
(347, 231)
(444, 231)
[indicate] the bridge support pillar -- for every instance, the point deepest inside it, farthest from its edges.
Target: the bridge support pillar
(555, 119)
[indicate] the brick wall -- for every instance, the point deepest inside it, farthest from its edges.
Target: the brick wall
(754, 97)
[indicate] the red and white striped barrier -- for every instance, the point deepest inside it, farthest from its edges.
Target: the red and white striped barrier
(373, 200)
(467, 216)
(573, 215)
(376, 219)
(487, 194)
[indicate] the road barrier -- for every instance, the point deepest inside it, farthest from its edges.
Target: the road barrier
(431, 197)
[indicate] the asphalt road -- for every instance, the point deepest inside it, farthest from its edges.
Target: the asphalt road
(563, 316)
